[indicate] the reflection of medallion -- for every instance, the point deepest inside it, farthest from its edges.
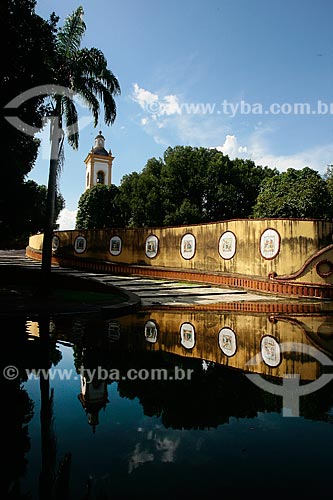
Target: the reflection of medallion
(151, 248)
(113, 331)
(270, 351)
(115, 245)
(227, 341)
(325, 330)
(269, 244)
(187, 335)
(227, 245)
(80, 244)
(151, 331)
(187, 246)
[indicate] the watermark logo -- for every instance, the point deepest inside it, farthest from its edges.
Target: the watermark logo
(56, 132)
(101, 374)
(242, 107)
(291, 390)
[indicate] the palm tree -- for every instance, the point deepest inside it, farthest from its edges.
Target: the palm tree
(82, 72)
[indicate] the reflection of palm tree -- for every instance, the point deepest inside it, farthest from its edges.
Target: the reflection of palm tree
(63, 478)
(48, 441)
(53, 485)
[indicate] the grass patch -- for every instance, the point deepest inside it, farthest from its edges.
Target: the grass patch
(87, 296)
(23, 287)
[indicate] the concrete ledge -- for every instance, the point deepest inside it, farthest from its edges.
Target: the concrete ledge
(257, 284)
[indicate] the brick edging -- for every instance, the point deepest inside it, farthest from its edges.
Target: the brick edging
(265, 286)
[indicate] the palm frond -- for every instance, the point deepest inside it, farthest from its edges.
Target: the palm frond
(71, 121)
(100, 93)
(110, 108)
(93, 63)
(61, 162)
(70, 35)
(85, 72)
(84, 88)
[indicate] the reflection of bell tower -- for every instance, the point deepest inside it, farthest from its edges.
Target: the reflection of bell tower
(93, 397)
(98, 164)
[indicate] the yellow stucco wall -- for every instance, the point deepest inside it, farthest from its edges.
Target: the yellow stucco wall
(300, 240)
(36, 242)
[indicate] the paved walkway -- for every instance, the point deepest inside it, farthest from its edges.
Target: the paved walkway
(151, 291)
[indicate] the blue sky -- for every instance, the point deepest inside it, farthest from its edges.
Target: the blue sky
(231, 74)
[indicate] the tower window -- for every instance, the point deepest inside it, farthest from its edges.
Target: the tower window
(100, 177)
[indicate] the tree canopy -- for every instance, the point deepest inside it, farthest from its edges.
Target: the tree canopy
(38, 52)
(189, 185)
(193, 185)
(294, 193)
(28, 45)
(98, 208)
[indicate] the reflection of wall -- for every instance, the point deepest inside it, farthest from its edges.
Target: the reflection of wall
(302, 250)
(249, 331)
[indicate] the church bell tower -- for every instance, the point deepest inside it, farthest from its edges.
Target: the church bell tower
(98, 164)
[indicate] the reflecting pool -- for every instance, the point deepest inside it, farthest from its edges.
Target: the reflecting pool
(165, 403)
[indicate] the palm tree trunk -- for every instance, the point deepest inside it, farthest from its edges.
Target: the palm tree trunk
(56, 134)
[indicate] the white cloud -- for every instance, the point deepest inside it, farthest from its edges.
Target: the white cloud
(66, 219)
(168, 121)
(160, 140)
(170, 105)
(143, 97)
(316, 158)
(231, 147)
(155, 105)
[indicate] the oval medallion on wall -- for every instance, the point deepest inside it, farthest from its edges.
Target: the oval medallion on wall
(269, 244)
(80, 244)
(55, 243)
(115, 247)
(151, 246)
(187, 246)
(227, 245)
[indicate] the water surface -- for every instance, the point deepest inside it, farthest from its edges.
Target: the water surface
(211, 432)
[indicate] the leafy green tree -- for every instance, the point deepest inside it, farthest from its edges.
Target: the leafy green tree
(85, 72)
(329, 182)
(141, 196)
(98, 208)
(183, 178)
(294, 193)
(35, 203)
(32, 217)
(28, 47)
(191, 185)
